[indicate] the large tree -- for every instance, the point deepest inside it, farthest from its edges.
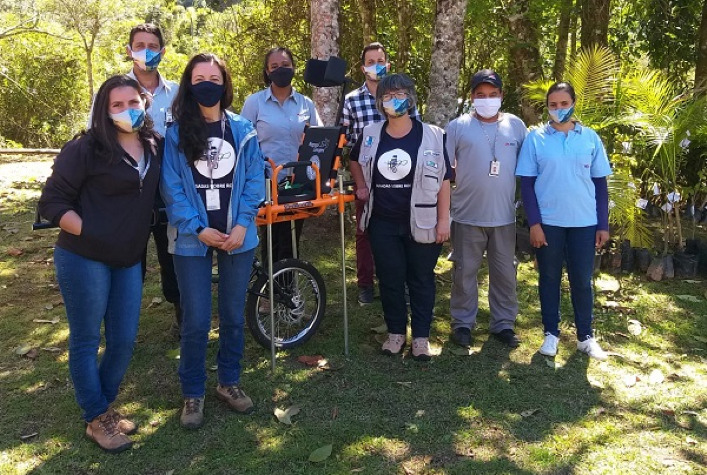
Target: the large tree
(563, 31)
(325, 36)
(524, 62)
(701, 66)
(446, 61)
(595, 23)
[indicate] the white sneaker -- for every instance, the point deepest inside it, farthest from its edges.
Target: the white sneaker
(592, 348)
(549, 347)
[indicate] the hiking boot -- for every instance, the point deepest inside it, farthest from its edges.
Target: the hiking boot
(365, 295)
(592, 348)
(462, 337)
(236, 398)
(393, 345)
(421, 349)
(192, 413)
(507, 337)
(103, 430)
(549, 347)
(125, 426)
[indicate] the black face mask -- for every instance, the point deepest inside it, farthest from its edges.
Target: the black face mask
(282, 77)
(207, 93)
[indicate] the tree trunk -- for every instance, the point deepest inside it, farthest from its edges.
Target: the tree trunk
(404, 40)
(573, 36)
(563, 29)
(595, 23)
(701, 66)
(325, 36)
(525, 63)
(367, 11)
(447, 54)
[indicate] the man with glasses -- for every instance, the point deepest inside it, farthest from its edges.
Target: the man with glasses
(359, 110)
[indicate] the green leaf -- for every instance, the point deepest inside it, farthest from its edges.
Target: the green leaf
(286, 415)
(321, 454)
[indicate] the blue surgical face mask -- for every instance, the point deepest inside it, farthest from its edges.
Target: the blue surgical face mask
(129, 120)
(396, 107)
(561, 115)
(146, 59)
(375, 72)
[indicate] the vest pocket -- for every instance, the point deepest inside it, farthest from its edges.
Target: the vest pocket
(425, 215)
(430, 183)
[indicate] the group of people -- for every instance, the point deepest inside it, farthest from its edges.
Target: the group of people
(153, 144)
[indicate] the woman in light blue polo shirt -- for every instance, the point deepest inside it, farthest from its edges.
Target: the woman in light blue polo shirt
(279, 114)
(563, 168)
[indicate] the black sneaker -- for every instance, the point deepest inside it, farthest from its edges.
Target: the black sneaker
(507, 337)
(365, 295)
(462, 337)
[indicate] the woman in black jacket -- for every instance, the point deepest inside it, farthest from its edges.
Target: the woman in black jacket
(101, 194)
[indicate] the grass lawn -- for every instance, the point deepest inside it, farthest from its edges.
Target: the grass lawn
(494, 411)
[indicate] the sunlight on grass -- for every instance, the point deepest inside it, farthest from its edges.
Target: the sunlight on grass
(392, 450)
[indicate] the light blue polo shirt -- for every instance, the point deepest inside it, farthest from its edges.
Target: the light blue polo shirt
(564, 166)
(280, 127)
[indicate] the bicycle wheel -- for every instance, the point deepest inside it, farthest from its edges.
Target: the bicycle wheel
(299, 299)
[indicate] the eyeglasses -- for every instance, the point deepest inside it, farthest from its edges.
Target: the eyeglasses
(398, 95)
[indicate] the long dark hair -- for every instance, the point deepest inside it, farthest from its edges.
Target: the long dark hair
(193, 134)
(278, 49)
(103, 129)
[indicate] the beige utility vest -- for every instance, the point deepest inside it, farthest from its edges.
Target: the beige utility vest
(429, 175)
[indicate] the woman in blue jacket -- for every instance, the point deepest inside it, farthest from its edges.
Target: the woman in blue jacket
(212, 184)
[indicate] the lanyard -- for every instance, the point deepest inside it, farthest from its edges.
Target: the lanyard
(492, 145)
(214, 159)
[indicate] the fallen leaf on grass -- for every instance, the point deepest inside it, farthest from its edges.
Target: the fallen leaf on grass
(656, 377)
(53, 321)
(690, 440)
(691, 413)
(48, 306)
(381, 329)
(613, 353)
(407, 384)
(155, 301)
(693, 281)
(529, 412)
(15, 252)
(28, 436)
(689, 298)
(634, 327)
(213, 367)
(630, 380)
(321, 454)
(52, 349)
(334, 413)
(23, 350)
(459, 351)
(551, 363)
(312, 360)
(173, 354)
(286, 415)
(668, 412)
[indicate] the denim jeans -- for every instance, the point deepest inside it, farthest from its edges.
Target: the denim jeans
(94, 294)
(576, 247)
(400, 260)
(194, 277)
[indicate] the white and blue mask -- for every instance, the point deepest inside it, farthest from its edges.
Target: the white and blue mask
(375, 72)
(146, 59)
(129, 120)
(561, 115)
(396, 107)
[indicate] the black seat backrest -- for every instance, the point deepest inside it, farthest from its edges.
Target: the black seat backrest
(319, 146)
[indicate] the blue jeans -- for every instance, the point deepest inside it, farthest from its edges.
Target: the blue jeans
(576, 247)
(194, 278)
(400, 260)
(94, 294)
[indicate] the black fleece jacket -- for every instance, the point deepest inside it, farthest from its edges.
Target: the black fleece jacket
(116, 209)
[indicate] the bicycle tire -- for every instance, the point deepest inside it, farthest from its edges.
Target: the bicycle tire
(298, 314)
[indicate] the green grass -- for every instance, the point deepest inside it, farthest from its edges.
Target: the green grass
(454, 415)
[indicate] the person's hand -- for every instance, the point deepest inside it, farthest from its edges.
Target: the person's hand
(362, 193)
(235, 239)
(601, 238)
(212, 237)
(537, 236)
(442, 230)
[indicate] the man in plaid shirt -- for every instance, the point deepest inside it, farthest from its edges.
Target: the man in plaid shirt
(360, 111)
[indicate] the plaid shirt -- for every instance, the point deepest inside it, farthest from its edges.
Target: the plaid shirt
(360, 111)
